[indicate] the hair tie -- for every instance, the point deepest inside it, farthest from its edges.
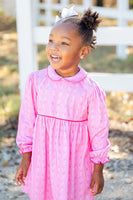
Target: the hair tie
(66, 12)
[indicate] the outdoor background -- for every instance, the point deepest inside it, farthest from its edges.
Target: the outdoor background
(118, 172)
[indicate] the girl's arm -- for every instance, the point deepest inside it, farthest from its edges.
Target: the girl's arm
(98, 125)
(27, 116)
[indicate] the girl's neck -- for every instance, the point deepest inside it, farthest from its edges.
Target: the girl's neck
(68, 72)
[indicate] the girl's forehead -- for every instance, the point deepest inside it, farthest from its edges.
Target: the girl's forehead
(64, 28)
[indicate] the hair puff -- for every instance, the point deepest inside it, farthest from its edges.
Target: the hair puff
(90, 20)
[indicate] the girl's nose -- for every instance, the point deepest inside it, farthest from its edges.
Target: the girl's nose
(55, 46)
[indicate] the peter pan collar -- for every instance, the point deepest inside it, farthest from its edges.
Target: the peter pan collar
(76, 78)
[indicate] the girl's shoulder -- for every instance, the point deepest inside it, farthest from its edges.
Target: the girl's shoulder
(93, 86)
(38, 76)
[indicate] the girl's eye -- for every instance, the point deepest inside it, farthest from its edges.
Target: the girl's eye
(50, 41)
(64, 43)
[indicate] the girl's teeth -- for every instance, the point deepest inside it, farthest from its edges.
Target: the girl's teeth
(55, 58)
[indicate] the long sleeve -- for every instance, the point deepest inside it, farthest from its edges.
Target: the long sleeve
(98, 125)
(27, 117)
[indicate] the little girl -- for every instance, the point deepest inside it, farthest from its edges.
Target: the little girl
(63, 123)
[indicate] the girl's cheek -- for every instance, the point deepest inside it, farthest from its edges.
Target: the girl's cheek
(47, 47)
(47, 50)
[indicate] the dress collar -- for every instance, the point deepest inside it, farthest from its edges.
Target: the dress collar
(76, 78)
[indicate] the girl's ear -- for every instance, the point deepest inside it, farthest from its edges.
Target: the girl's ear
(84, 52)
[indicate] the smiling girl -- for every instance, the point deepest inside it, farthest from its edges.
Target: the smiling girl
(63, 123)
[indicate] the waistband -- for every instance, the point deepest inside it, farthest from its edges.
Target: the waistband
(61, 118)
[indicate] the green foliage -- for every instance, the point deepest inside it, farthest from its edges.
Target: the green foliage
(6, 23)
(9, 106)
(131, 4)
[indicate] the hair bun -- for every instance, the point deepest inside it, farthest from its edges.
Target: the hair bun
(90, 20)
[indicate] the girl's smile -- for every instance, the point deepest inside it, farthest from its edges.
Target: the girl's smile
(55, 58)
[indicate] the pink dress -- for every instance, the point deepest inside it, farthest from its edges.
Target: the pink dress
(63, 121)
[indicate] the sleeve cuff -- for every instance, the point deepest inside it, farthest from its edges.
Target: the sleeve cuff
(100, 156)
(25, 150)
(100, 160)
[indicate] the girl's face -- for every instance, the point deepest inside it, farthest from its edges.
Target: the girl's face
(64, 48)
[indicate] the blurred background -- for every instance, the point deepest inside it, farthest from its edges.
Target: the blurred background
(105, 59)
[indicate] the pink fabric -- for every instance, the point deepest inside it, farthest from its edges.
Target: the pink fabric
(64, 122)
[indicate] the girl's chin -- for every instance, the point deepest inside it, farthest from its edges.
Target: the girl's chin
(55, 66)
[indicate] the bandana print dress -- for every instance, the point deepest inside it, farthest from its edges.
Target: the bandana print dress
(64, 122)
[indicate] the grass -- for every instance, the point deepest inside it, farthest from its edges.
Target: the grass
(120, 106)
(103, 59)
(9, 94)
